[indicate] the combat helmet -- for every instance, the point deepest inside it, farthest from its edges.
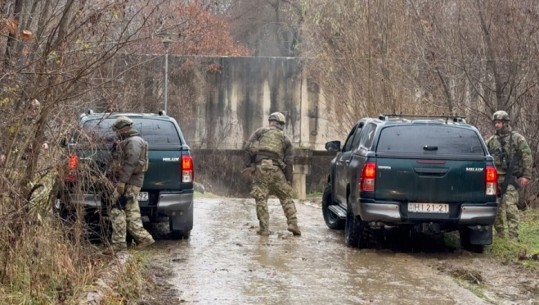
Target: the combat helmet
(500, 115)
(121, 122)
(277, 116)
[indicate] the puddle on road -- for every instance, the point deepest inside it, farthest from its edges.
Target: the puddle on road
(225, 262)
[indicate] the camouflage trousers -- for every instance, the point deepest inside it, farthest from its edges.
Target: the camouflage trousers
(507, 218)
(127, 220)
(270, 180)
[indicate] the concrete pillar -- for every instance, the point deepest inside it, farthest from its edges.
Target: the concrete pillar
(302, 167)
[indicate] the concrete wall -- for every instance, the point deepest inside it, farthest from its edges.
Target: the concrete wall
(218, 171)
(220, 101)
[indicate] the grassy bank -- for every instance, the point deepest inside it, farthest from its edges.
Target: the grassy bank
(526, 250)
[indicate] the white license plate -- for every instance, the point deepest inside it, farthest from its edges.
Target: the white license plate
(422, 207)
(143, 196)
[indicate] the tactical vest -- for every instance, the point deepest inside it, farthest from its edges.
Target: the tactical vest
(503, 150)
(272, 141)
(142, 165)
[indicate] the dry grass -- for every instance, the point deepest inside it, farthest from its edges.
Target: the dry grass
(42, 260)
(40, 264)
(526, 250)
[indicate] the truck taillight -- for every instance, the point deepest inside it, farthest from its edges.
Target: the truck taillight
(72, 164)
(187, 169)
(368, 177)
(73, 161)
(491, 180)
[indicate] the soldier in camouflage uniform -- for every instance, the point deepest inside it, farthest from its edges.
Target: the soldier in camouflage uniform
(269, 153)
(130, 160)
(513, 160)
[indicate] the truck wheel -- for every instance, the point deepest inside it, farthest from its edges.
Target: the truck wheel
(65, 214)
(176, 235)
(332, 220)
(465, 242)
(355, 230)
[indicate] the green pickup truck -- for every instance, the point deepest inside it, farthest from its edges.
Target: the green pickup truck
(167, 193)
(426, 174)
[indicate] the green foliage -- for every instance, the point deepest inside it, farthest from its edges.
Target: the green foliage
(452, 239)
(524, 251)
(529, 230)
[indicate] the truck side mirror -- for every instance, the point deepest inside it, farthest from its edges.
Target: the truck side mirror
(333, 146)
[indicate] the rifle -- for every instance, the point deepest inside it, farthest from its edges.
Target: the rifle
(509, 179)
(122, 201)
(116, 199)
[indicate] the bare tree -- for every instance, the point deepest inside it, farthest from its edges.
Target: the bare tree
(268, 27)
(358, 52)
(430, 57)
(59, 57)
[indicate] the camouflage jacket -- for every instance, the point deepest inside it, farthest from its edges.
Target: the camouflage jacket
(506, 145)
(270, 143)
(131, 158)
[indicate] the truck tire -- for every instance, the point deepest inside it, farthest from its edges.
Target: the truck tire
(65, 214)
(176, 235)
(59, 207)
(332, 220)
(355, 230)
(464, 236)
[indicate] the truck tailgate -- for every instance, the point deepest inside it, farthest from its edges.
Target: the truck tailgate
(164, 170)
(423, 180)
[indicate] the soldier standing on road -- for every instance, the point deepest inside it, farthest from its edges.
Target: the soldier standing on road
(269, 153)
(513, 160)
(130, 162)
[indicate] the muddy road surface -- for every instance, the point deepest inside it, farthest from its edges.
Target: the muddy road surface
(226, 262)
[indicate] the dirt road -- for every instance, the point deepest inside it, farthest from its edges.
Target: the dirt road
(225, 262)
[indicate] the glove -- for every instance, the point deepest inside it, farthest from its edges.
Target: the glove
(122, 201)
(120, 188)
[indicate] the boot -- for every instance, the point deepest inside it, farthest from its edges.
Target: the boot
(293, 227)
(263, 232)
(145, 243)
(115, 248)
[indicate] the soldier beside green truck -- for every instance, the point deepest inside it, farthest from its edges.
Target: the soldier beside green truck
(161, 191)
(513, 160)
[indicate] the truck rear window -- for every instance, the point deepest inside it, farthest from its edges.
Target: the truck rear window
(430, 140)
(155, 132)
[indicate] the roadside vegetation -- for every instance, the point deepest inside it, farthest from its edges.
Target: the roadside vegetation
(57, 59)
(525, 251)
